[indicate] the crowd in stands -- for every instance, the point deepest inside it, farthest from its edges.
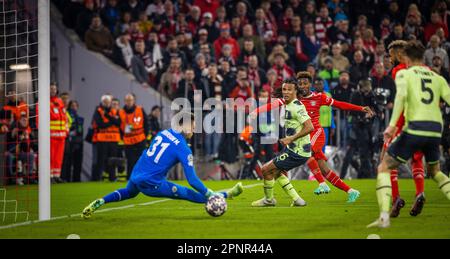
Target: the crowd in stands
(245, 48)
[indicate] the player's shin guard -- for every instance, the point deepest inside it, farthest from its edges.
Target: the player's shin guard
(443, 182)
(268, 189)
(394, 184)
(287, 187)
(315, 169)
(335, 180)
(418, 173)
(384, 191)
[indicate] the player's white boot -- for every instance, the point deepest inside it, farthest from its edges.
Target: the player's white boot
(264, 203)
(235, 191)
(298, 203)
(382, 222)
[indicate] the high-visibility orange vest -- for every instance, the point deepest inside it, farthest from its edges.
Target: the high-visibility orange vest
(132, 126)
(58, 118)
(109, 134)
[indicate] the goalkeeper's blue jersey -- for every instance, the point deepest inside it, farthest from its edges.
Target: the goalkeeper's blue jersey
(167, 149)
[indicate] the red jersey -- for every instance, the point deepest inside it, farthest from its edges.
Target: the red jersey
(312, 103)
(401, 120)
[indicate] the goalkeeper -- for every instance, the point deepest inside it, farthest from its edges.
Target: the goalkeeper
(149, 174)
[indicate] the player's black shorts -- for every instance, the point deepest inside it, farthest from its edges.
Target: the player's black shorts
(406, 145)
(288, 160)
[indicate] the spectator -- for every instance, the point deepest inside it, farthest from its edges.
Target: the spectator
(247, 34)
(309, 14)
(227, 52)
(284, 23)
(212, 32)
(207, 6)
(184, 41)
(106, 125)
(123, 26)
(161, 32)
(342, 92)
(84, 18)
(358, 45)
(169, 79)
(256, 75)
(76, 143)
(225, 39)
(188, 85)
(359, 69)
(383, 86)
(194, 18)
(272, 82)
(439, 68)
(242, 89)
(296, 40)
(288, 49)
(380, 52)
(221, 17)
(340, 32)
(153, 120)
(434, 24)
(322, 24)
(122, 51)
(435, 50)
(145, 26)
(134, 128)
(229, 77)
(172, 51)
(65, 169)
(413, 26)
(445, 44)
(311, 43)
(369, 41)
(385, 28)
(330, 73)
(20, 151)
(142, 64)
(134, 7)
(248, 49)
(110, 14)
(283, 70)
(264, 27)
(397, 34)
(207, 51)
(200, 66)
(12, 110)
(266, 6)
(98, 38)
(340, 62)
(156, 8)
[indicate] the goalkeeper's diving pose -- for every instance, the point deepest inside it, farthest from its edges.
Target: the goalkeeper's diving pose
(149, 174)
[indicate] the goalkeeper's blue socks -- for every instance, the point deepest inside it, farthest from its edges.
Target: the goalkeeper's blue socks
(119, 195)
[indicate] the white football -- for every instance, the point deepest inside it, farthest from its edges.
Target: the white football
(216, 205)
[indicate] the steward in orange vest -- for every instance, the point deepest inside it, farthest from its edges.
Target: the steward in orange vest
(106, 125)
(134, 127)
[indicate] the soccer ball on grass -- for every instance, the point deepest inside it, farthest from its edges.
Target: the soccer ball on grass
(216, 205)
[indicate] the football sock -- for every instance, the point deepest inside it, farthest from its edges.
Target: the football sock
(287, 187)
(268, 189)
(119, 195)
(335, 180)
(384, 191)
(443, 182)
(315, 169)
(418, 176)
(394, 184)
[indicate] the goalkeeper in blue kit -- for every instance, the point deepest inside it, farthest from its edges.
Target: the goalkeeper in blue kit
(149, 174)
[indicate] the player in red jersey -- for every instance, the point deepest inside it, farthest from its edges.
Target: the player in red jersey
(396, 53)
(318, 161)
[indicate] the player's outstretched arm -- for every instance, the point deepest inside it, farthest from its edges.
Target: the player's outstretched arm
(266, 107)
(187, 161)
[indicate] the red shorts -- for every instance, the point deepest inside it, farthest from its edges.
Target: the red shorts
(317, 143)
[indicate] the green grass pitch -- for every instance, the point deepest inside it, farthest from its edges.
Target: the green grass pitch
(326, 216)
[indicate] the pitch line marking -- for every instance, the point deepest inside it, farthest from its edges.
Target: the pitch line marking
(106, 210)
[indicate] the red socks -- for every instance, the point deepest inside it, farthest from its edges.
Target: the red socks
(335, 180)
(315, 169)
(394, 184)
(418, 173)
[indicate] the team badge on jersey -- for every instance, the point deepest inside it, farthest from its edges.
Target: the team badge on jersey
(190, 160)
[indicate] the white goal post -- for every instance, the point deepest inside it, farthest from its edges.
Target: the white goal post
(44, 108)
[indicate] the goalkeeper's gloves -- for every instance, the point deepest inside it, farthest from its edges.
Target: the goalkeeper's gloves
(210, 193)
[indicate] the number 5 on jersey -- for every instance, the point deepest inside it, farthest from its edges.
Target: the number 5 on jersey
(155, 145)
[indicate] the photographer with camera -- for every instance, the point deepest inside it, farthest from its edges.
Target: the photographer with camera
(361, 136)
(384, 90)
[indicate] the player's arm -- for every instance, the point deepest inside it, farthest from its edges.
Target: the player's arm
(307, 128)
(278, 102)
(187, 161)
(445, 91)
(399, 105)
(350, 107)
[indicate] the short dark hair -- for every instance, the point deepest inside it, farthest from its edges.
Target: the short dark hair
(414, 50)
(304, 74)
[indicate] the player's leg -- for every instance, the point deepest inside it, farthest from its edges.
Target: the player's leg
(268, 171)
(397, 202)
(432, 155)
(289, 189)
(335, 180)
(317, 143)
(126, 193)
(399, 152)
(418, 176)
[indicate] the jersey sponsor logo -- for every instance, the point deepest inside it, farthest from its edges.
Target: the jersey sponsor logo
(313, 103)
(190, 160)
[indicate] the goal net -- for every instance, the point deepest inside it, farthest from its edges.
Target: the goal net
(19, 149)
